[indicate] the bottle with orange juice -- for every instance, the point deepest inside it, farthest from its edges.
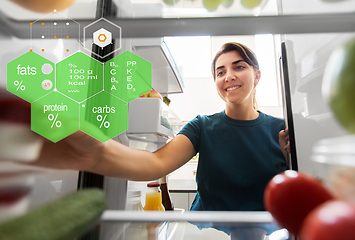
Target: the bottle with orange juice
(153, 198)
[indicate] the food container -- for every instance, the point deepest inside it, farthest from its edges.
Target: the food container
(15, 188)
(17, 141)
(334, 165)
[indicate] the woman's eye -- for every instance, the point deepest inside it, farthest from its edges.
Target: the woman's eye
(239, 67)
(220, 73)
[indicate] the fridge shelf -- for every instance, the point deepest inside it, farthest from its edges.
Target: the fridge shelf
(202, 217)
(196, 225)
(207, 26)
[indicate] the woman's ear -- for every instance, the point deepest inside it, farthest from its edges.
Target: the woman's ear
(257, 77)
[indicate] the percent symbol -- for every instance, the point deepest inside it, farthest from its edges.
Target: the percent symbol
(53, 119)
(102, 120)
(19, 85)
(72, 65)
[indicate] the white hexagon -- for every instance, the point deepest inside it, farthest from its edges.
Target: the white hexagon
(89, 39)
(102, 37)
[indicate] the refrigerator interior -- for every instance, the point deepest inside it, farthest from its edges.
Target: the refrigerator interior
(307, 54)
(307, 57)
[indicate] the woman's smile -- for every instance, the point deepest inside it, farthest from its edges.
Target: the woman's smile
(232, 88)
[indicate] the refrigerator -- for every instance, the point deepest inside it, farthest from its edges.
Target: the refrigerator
(305, 34)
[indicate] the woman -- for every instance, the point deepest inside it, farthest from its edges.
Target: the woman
(239, 148)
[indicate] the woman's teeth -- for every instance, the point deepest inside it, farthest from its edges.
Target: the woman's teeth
(232, 88)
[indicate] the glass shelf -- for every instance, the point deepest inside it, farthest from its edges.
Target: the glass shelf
(190, 225)
(154, 18)
(85, 9)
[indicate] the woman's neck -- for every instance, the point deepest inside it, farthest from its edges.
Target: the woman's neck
(241, 112)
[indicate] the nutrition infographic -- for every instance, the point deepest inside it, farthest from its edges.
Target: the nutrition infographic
(83, 91)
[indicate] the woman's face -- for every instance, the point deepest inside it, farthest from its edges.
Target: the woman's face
(235, 78)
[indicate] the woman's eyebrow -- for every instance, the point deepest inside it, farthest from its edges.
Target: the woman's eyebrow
(219, 67)
(233, 63)
(238, 61)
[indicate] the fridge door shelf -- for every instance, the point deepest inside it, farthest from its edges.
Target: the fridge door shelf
(145, 118)
(165, 74)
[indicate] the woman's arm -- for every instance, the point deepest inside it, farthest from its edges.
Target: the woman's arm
(82, 152)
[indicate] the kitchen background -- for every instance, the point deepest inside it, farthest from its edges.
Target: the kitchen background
(193, 56)
(308, 53)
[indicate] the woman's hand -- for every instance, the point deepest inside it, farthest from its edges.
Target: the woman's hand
(284, 142)
(78, 151)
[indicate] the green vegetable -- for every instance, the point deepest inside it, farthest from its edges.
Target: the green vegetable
(250, 3)
(171, 2)
(211, 5)
(63, 219)
(339, 84)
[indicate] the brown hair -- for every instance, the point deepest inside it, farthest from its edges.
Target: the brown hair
(246, 53)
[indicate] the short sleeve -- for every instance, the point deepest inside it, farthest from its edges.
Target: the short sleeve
(192, 130)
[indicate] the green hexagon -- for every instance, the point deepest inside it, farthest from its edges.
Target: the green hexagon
(54, 116)
(103, 116)
(127, 76)
(79, 76)
(30, 76)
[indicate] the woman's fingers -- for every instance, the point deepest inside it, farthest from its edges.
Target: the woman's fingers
(284, 141)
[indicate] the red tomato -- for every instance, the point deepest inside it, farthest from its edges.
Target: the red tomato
(290, 196)
(332, 220)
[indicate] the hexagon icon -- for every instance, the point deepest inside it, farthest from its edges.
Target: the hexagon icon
(54, 116)
(104, 34)
(79, 76)
(30, 76)
(103, 116)
(102, 37)
(127, 76)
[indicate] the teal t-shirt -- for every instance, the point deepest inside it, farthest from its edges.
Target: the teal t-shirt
(237, 159)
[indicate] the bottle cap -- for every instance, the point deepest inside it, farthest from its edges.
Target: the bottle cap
(153, 184)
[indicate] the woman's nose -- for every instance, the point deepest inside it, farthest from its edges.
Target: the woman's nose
(229, 77)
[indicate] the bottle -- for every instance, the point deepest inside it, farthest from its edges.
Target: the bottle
(168, 205)
(153, 199)
(134, 202)
(135, 230)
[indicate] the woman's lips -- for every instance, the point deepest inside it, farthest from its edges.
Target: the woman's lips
(231, 88)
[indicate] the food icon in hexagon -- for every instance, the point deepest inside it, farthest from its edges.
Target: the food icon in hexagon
(54, 116)
(79, 76)
(30, 76)
(102, 37)
(128, 76)
(103, 116)
(104, 34)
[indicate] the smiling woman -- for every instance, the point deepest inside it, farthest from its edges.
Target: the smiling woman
(249, 155)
